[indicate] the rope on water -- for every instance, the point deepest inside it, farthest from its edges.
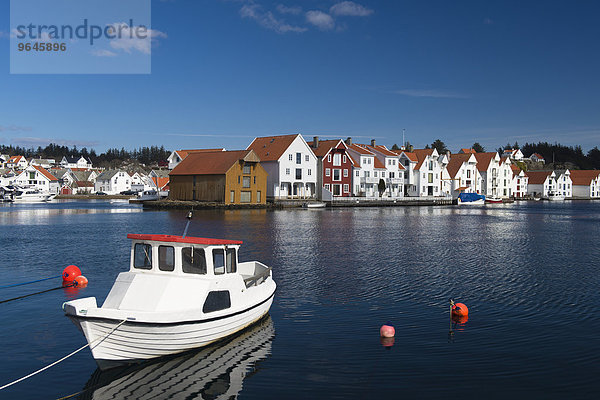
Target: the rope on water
(64, 358)
(27, 283)
(32, 294)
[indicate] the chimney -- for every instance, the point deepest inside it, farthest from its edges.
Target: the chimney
(315, 142)
(373, 142)
(410, 148)
(349, 141)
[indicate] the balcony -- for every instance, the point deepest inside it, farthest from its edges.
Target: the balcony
(394, 181)
(369, 180)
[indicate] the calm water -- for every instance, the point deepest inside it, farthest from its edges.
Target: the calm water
(527, 271)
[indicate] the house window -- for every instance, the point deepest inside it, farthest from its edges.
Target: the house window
(468, 173)
(32, 175)
(306, 158)
(194, 179)
(327, 172)
(345, 159)
(309, 172)
(246, 182)
(232, 196)
(430, 180)
(291, 157)
(431, 165)
(245, 197)
(357, 173)
(367, 174)
(346, 188)
(328, 157)
(327, 186)
(216, 300)
(368, 161)
(255, 180)
(345, 173)
(193, 260)
(298, 158)
(142, 258)
(383, 174)
(392, 175)
(258, 194)
(239, 179)
(287, 171)
(298, 173)
(337, 160)
(375, 174)
(247, 170)
(337, 174)
(166, 258)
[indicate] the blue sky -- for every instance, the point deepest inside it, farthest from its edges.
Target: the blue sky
(224, 72)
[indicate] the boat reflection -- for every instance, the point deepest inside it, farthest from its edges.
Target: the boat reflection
(215, 372)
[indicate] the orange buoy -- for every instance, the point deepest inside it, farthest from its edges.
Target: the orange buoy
(460, 310)
(387, 330)
(80, 282)
(387, 341)
(70, 273)
(460, 319)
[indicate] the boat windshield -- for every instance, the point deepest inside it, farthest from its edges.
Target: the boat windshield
(142, 256)
(193, 260)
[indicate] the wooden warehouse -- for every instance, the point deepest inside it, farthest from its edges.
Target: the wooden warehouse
(230, 177)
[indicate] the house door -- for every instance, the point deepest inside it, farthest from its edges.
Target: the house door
(337, 190)
(430, 191)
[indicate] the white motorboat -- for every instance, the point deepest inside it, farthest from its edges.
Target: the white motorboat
(180, 293)
(555, 196)
(148, 195)
(29, 196)
(314, 204)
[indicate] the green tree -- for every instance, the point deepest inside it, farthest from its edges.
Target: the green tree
(381, 187)
(395, 147)
(439, 146)
(478, 148)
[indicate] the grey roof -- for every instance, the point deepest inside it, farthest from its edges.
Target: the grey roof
(161, 173)
(82, 175)
(107, 175)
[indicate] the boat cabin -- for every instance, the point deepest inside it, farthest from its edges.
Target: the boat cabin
(189, 256)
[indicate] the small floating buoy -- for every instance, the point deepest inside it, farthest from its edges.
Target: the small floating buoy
(70, 273)
(460, 319)
(387, 330)
(80, 282)
(387, 341)
(460, 310)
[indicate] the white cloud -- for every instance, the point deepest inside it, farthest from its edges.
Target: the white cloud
(294, 10)
(266, 19)
(321, 20)
(14, 128)
(128, 39)
(103, 53)
(430, 93)
(37, 141)
(350, 9)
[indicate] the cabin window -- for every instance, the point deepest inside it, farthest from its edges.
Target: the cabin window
(166, 258)
(230, 261)
(142, 256)
(193, 261)
(219, 261)
(216, 300)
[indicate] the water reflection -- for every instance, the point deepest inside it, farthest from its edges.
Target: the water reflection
(215, 372)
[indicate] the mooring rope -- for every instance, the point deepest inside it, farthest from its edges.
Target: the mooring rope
(40, 292)
(64, 358)
(27, 283)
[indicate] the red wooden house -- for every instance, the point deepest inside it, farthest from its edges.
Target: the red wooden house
(334, 167)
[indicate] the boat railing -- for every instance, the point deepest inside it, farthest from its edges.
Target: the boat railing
(260, 274)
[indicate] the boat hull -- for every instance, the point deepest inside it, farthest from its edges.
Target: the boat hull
(135, 341)
(471, 203)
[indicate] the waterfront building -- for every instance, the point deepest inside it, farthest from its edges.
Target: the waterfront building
(334, 168)
(428, 173)
(43, 162)
(496, 174)
(17, 163)
(586, 183)
(76, 162)
(113, 182)
(290, 163)
(537, 158)
(564, 184)
(519, 182)
(393, 175)
(462, 173)
(367, 168)
(540, 183)
(38, 177)
(409, 161)
(513, 154)
(7, 176)
(178, 156)
(229, 177)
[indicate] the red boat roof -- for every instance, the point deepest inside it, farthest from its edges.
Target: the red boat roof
(179, 239)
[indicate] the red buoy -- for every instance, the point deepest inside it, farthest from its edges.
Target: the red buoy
(387, 330)
(460, 310)
(387, 341)
(70, 273)
(80, 282)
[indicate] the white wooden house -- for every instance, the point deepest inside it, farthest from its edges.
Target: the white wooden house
(113, 182)
(365, 178)
(537, 158)
(586, 184)
(463, 175)
(393, 175)
(519, 182)
(76, 162)
(38, 177)
(541, 183)
(290, 163)
(564, 184)
(17, 163)
(496, 174)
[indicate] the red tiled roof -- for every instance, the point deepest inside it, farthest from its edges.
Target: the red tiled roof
(361, 148)
(209, 163)
(355, 161)
(184, 153)
(45, 173)
(378, 164)
(160, 182)
(383, 150)
(271, 148)
(456, 161)
(324, 146)
(538, 177)
(583, 177)
(400, 166)
(468, 151)
(421, 154)
(537, 155)
(411, 156)
(484, 159)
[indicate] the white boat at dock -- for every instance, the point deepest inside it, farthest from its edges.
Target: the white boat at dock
(180, 293)
(26, 195)
(314, 204)
(471, 199)
(554, 196)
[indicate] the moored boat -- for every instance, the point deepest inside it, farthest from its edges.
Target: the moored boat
(314, 204)
(29, 196)
(493, 200)
(180, 293)
(555, 196)
(471, 199)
